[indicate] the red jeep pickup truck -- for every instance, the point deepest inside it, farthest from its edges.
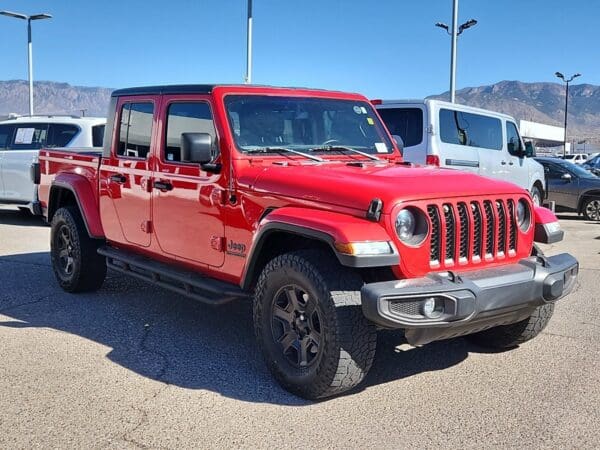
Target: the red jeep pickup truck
(299, 201)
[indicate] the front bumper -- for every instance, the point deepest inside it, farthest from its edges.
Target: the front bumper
(469, 302)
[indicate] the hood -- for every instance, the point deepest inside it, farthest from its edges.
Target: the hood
(355, 187)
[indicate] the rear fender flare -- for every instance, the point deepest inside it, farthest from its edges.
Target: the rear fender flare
(86, 200)
(322, 226)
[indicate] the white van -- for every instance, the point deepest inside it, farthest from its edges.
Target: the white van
(460, 137)
(20, 141)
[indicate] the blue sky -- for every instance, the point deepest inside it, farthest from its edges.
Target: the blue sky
(383, 48)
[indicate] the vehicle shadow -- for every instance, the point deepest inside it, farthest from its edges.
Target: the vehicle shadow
(167, 338)
(14, 216)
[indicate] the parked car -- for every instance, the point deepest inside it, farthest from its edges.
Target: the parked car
(461, 137)
(20, 142)
(572, 187)
(298, 200)
(593, 165)
(576, 158)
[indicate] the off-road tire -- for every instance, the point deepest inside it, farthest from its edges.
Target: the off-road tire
(507, 336)
(88, 268)
(348, 339)
(589, 207)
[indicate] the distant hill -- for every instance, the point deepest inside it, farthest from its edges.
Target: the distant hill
(540, 102)
(53, 98)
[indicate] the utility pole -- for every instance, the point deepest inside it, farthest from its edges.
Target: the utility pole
(562, 77)
(248, 79)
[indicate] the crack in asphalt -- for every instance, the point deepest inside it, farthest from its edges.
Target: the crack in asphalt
(32, 302)
(143, 346)
(26, 263)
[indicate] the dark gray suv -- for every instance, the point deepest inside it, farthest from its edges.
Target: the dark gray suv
(572, 187)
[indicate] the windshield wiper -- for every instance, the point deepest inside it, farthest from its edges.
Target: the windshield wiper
(330, 148)
(283, 149)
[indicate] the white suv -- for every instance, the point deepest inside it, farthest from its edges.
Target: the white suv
(20, 141)
(460, 137)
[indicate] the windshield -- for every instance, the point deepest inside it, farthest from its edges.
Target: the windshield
(308, 124)
(569, 157)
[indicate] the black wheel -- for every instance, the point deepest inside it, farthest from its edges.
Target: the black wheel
(536, 196)
(507, 336)
(77, 265)
(591, 208)
(309, 324)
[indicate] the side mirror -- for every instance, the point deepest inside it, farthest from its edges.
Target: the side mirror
(529, 149)
(399, 143)
(196, 148)
(566, 177)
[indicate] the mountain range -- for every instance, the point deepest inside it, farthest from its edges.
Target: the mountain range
(538, 102)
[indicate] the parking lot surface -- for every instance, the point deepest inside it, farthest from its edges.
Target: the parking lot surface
(135, 366)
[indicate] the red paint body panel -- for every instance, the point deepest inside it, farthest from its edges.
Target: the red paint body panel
(193, 224)
(544, 215)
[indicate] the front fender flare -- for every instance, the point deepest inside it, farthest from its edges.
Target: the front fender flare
(85, 197)
(324, 226)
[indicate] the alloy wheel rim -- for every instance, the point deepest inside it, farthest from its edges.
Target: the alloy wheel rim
(64, 243)
(296, 326)
(593, 210)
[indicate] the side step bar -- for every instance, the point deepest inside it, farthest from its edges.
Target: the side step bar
(185, 282)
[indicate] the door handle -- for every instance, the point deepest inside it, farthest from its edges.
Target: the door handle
(163, 185)
(510, 163)
(118, 178)
(503, 163)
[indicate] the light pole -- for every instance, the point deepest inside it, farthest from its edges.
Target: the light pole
(454, 34)
(248, 79)
(562, 77)
(29, 49)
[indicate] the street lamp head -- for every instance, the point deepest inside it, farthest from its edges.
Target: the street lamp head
(442, 25)
(576, 75)
(15, 15)
(468, 24)
(40, 16)
(559, 75)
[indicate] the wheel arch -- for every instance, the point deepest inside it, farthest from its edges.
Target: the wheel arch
(585, 196)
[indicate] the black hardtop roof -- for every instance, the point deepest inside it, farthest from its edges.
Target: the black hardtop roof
(192, 89)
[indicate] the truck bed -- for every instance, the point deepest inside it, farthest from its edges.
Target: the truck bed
(62, 163)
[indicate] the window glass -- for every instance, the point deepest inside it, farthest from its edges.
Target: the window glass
(302, 123)
(60, 134)
(513, 141)
(135, 130)
(97, 135)
(474, 130)
(554, 172)
(404, 122)
(6, 133)
(190, 117)
(29, 136)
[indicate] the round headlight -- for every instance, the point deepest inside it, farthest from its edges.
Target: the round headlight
(523, 215)
(405, 225)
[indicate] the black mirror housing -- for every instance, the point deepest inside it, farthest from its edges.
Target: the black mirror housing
(399, 143)
(529, 149)
(196, 148)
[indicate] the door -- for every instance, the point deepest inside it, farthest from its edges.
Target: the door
(457, 146)
(6, 134)
(409, 123)
(187, 202)
(563, 186)
(515, 165)
(22, 147)
(125, 175)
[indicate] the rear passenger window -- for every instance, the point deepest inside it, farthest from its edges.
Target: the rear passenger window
(60, 135)
(193, 117)
(98, 135)
(6, 133)
(474, 130)
(135, 131)
(29, 136)
(404, 122)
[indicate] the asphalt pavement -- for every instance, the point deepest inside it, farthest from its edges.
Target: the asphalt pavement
(136, 366)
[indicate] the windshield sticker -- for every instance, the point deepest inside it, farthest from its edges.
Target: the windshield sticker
(370, 121)
(24, 136)
(380, 147)
(357, 109)
(363, 109)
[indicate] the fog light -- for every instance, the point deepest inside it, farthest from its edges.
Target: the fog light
(433, 307)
